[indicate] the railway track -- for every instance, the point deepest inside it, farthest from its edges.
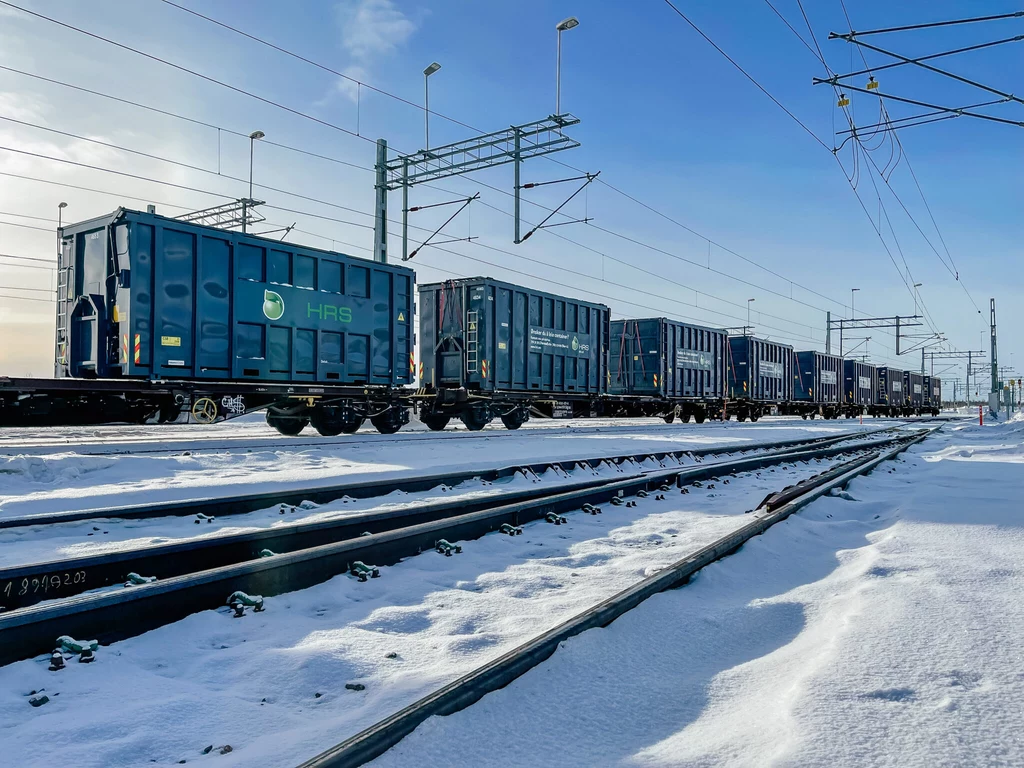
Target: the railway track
(165, 439)
(375, 740)
(203, 572)
(361, 489)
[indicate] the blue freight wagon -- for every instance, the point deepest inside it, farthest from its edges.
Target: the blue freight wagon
(817, 386)
(861, 385)
(889, 397)
(913, 388)
(662, 367)
(760, 376)
(932, 395)
(493, 349)
(144, 297)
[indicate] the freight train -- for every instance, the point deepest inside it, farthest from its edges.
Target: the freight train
(158, 317)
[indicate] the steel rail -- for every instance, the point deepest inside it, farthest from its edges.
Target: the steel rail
(220, 506)
(113, 615)
(468, 689)
(25, 584)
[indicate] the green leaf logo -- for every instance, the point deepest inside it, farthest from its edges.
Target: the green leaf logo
(273, 305)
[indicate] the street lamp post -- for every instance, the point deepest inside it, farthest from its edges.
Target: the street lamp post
(60, 221)
(253, 138)
(426, 101)
(749, 301)
(569, 23)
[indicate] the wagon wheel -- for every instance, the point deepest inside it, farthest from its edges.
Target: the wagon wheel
(204, 410)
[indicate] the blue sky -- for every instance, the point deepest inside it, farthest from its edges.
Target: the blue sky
(664, 118)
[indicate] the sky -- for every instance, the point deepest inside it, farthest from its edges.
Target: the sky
(688, 148)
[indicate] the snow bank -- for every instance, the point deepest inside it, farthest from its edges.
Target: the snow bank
(883, 629)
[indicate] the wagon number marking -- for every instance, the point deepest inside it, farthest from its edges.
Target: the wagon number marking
(45, 583)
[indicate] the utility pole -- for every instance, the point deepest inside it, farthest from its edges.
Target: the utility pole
(993, 400)
(828, 333)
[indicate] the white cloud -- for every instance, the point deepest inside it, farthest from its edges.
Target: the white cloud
(370, 29)
(373, 27)
(347, 88)
(16, 106)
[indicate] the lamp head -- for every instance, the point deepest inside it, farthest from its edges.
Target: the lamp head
(431, 69)
(569, 23)
(257, 135)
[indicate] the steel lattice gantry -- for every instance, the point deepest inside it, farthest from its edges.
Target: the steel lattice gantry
(510, 145)
(238, 213)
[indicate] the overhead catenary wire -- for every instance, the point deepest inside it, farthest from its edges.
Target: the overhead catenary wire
(25, 226)
(760, 87)
(668, 218)
(329, 69)
(185, 69)
(932, 24)
(910, 168)
(25, 288)
(25, 298)
(363, 213)
(744, 72)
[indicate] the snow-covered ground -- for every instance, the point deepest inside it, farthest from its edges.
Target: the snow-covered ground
(44, 543)
(49, 542)
(255, 458)
(876, 628)
(880, 628)
(272, 685)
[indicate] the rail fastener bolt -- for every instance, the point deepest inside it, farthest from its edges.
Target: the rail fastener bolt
(642, 494)
(362, 571)
(551, 517)
(56, 660)
(511, 530)
(590, 509)
(200, 517)
(239, 601)
(135, 579)
(446, 548)
(86, 657)
(68, 644)
(617, 501)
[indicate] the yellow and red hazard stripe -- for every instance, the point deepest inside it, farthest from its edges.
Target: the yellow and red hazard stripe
(138, 348)
(412, 364)
(483, 368)
(124, 348)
